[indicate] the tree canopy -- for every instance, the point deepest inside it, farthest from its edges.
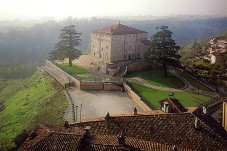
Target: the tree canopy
(195, 48)
(162, 49)
(66, 47)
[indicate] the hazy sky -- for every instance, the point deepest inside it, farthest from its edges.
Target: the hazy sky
(34, 9)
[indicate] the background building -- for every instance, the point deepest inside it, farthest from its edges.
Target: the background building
(118, 43)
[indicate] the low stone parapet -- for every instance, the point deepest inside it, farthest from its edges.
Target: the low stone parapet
(91, 85)
(136, 98)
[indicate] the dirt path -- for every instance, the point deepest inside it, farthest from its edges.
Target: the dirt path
(188, 87)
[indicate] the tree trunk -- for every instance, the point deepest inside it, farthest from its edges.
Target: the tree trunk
(70, 62)
(165, 69)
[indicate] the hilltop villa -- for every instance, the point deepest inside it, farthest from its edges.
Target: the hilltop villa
(115, 46)
(117, 43)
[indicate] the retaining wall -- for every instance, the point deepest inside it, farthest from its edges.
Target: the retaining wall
(138, 66)
(91, 86)
(64, 75)
(136, 98)
(112, 87)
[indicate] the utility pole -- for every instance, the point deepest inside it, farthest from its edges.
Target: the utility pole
(80, 111)
(76, 113)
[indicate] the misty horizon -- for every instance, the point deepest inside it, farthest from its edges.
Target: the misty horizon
(58, 9)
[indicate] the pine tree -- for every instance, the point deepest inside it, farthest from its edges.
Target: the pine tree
(162, 49)
(67, 45)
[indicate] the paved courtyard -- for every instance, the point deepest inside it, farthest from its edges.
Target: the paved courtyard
(98, 103)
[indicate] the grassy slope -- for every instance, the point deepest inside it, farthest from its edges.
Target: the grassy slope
(154, 96)
(27, 103)
(157, 78)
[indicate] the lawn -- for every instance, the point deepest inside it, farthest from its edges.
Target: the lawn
(194, 83)
(157, 78)
(154, 96)
(72, 69)
(29, 102)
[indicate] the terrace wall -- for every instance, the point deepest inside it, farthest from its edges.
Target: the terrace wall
(136, 98)
(137, 66)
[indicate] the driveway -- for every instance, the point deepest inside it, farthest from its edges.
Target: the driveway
(98, 103)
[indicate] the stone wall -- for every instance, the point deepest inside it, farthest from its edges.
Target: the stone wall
(112, 87)
(101, 46)
(61, 73)
(91, 85)
(136, 98)
(138, 66)
(83, 85)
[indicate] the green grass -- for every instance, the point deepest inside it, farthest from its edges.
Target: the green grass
(157, 78)
(154, 96)
(194, 83)
(27, 103)
(72, 69)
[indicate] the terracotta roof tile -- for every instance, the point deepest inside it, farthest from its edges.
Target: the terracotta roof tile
(177, 129)
(118, 29)
(139, 132)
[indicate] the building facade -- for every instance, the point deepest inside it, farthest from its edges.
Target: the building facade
(118, 43)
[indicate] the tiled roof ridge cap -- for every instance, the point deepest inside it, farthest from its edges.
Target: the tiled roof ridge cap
(55, 132)
(102, 118)
(112, 28)
(45, 136)
(45, 128)
(175, 105)
(210, 127)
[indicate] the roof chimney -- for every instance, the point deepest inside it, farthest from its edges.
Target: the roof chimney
(107, 118)
(204, 110)
(165, 107)
(121, 139)
(174, 148)
(197, 126)
(135, 111)
(87, 130)
(107, 115)
(66, 125)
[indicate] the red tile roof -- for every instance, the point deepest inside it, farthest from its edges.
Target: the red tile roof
(137, 132)
(118, 29)
(177, 106)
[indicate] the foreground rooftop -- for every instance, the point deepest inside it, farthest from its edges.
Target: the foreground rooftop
(154, 130)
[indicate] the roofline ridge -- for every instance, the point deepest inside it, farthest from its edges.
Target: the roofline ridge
(45, 128)
(210, 127)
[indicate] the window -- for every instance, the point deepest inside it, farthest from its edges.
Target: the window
(106, 47)
(133, 55)
(102, 49)
(125, 56)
